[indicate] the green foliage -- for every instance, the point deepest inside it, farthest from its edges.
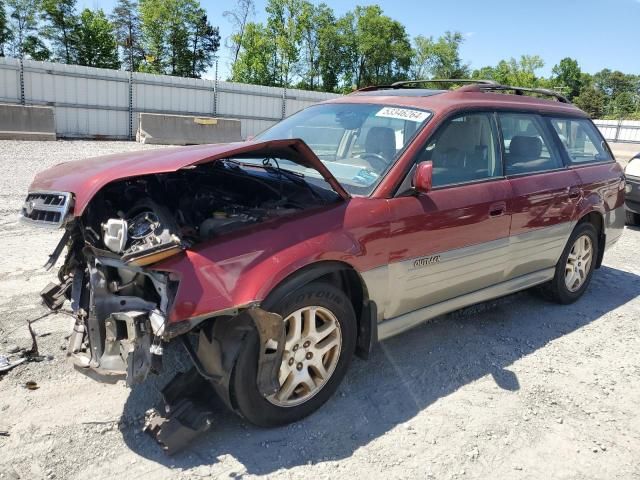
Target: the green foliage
(127, 29)
(35, 49)
(520, 73)
(5, 33)
(178, 38)
(61, 28)
(377, 48)
(284, 26)
(255, 60)
(438, 58)
(96, 44)
(591, 101)
(23, 23)
(567, 77)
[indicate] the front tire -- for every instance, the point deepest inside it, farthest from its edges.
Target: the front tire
(321, 337)
(575, 267)
(632, 219)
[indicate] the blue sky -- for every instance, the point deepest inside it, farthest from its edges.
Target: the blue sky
(598, 33)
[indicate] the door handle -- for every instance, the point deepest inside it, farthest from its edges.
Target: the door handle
(497, 209)
(574, 192)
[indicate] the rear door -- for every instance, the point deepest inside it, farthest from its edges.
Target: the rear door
(453, 240)
(545, 193)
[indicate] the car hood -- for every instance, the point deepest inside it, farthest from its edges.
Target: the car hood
(84, 178)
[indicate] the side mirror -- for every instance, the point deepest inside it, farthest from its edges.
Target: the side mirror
(423, 177)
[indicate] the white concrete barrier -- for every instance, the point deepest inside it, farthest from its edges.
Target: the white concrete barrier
(186, 130)
(19, 122)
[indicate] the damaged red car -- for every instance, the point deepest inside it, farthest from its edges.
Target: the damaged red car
(276, 260)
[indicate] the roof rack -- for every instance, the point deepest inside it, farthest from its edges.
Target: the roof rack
(410, 83)
(471, 85)
(444, 80)
(517, 90)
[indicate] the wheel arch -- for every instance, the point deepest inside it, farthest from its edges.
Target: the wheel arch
(596, 219)
(345, 277)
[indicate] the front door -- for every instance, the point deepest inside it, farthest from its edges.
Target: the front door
(453, 240)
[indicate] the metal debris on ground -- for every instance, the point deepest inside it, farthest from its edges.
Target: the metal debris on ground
(7, 364)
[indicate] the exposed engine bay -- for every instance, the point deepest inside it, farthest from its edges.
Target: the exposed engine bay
(142, 216)
(119, 305)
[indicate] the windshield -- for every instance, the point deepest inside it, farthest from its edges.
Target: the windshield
(357, 142)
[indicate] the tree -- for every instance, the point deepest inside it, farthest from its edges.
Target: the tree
(331, 54)
(22, 24)
(204, 43)
(512, 72)
(126, 24)
(592, 101)
(178, 39)
(239, 17)
(5, 33)
(97, 45)
(61, 24)
(255, 61)
(438, 58)
(567, 76)
(377, 48)
(35, 49)
(284, 27)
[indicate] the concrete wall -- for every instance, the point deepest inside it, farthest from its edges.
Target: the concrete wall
(18, 122)
(186, 129)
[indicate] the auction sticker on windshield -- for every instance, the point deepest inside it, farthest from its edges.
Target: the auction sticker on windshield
(404, 114)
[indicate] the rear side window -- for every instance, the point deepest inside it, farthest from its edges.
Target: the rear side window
(527, 147)
(581, 140)
(464, 150)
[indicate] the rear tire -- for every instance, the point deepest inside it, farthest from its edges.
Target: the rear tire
(314, 361)
(575, 267)
(633, 219)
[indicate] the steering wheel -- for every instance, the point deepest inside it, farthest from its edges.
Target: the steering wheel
(378, 162)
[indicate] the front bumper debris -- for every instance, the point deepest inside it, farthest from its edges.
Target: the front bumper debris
(185, 414)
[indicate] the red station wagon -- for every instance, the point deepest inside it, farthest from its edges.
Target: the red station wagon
(275, 260)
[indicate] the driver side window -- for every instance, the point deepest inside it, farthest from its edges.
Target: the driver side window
(464, 150)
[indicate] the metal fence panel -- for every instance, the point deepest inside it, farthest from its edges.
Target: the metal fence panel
(623, 131)
(96, 103)
(9, 80)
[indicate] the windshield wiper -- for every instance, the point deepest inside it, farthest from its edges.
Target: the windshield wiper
(296, 177)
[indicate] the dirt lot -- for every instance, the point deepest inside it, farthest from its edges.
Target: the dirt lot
(519, 388)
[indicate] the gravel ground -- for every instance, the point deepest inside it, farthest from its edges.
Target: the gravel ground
(517, 388)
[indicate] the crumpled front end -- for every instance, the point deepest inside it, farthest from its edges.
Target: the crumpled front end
(118, 275)
(120, 309)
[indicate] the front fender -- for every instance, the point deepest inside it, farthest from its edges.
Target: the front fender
(241, 269)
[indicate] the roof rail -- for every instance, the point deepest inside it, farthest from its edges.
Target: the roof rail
(472, 85)
(410, 83)
(517, 90)
(444, 80)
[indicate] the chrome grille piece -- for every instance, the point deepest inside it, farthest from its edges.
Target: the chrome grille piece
(46, 209)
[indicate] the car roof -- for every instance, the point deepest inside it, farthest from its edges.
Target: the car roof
(444, 101)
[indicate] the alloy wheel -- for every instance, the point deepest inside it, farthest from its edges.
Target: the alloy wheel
(311, 353)
(578, 263)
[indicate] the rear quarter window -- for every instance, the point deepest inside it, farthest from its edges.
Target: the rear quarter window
(581, 140)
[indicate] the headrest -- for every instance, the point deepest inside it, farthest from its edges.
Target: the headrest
(527, 148)
(381, 140)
